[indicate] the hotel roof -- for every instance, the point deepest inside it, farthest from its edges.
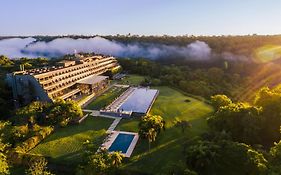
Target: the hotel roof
(93, 79)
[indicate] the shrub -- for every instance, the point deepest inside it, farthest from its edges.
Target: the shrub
(35, 140)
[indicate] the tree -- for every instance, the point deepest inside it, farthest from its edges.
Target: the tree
(7, 134)
(224, 157)
(275, 159)
(38, 166)
(275, 152)
(270, 100)
(102, 163)
(4, 166)
(29, 114)
(97, 164)
(63, 112)
(116, 159)
(220, 101)
(178, 168)
(241, 120)
(151, 136)
(20, 132)
(215, 75)
(5, 61)
(150, 126)
(183, 124)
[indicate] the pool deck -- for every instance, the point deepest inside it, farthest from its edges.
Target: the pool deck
(113, 135)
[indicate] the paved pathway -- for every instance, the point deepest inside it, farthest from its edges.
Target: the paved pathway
(114, 123)
(97, 113)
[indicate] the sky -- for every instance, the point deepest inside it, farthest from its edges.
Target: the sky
(142, 17)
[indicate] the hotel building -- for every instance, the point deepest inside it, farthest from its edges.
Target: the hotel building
(69, 79)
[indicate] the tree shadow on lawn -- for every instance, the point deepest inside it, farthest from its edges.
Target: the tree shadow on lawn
(167, 149)
(68, 159)
(160, 155)
(65, 166)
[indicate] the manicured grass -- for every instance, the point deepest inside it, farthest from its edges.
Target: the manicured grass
(66, 144)
(167, 148)
(106, 98)
(131, 80)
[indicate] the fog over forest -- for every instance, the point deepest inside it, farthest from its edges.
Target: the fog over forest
(30, 47)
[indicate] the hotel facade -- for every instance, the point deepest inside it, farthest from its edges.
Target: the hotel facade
(68, 80)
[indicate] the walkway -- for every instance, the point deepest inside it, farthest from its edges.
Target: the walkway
(97, 113)
(113, 125)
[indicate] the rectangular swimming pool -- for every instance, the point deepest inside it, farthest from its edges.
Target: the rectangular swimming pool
(140, 100)
(122, 142)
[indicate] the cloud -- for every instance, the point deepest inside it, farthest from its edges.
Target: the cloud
(199, 50)
(12, 47)
(17, 47)
(62, 46)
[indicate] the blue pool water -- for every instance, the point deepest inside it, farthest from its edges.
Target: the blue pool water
(140, 100)
(122, 142)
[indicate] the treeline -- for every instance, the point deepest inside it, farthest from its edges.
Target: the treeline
(240, 45)
(243, 139)
(256, 124)
(226, 78)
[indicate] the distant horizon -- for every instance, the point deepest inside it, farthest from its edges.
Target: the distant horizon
(139, 35)
(146, 17)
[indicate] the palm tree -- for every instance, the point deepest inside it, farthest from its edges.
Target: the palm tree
(151, 136)
(150, 127)
(116, 158)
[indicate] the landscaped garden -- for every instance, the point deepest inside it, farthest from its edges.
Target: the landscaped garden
(167, 148)
(66, 144)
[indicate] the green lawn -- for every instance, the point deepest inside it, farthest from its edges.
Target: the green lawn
(168, 146)
(132, 80)
(106, 98)
(65, 144)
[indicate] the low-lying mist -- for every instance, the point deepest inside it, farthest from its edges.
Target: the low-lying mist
(30, 47)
